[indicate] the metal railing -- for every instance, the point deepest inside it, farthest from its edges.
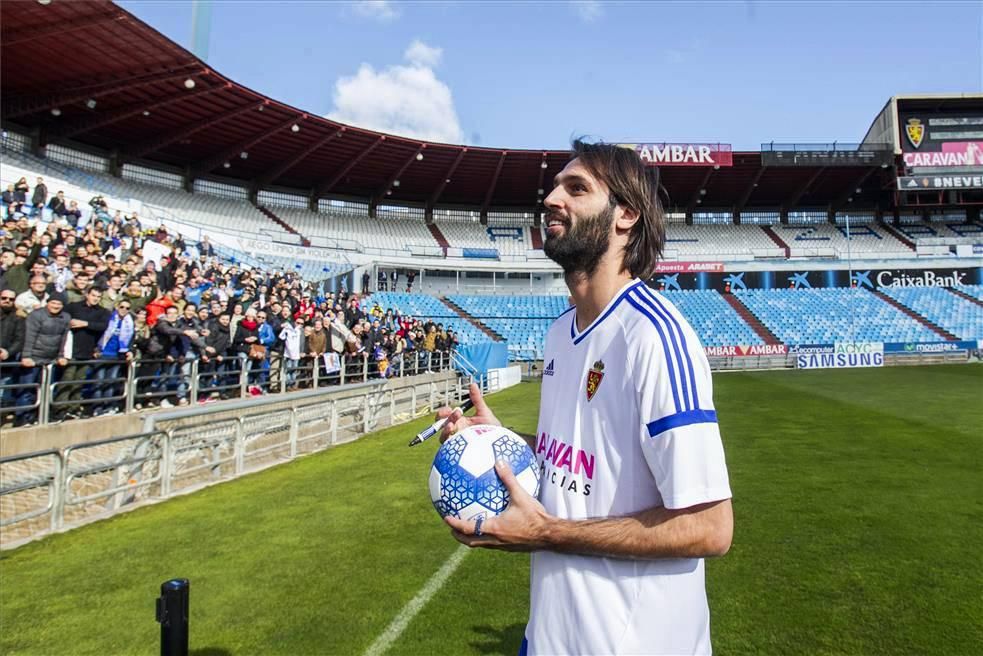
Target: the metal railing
(50, 393)
(184, 450)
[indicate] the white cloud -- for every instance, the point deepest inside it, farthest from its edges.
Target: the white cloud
(588, 10)
(380, 10)
(420, 54)
(406, 99)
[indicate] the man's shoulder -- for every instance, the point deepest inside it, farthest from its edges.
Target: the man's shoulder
(650, 316)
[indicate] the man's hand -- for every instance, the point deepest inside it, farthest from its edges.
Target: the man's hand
(3, 354)
(26, 362)
(77, 323)
(62, 362)
(457, 421)
(522, 527)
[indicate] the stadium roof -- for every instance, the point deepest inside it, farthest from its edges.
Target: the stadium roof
(118, 85)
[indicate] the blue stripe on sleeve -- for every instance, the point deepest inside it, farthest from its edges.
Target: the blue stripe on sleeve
(665, 348)
(661, 313)
(689, 361)
(681, 419)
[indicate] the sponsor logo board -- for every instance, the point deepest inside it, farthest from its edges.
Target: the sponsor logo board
(928, 347)
(918, 182)
(953, 154)
(666, 154)
(744, 351)
(689, 267)
(845, 355)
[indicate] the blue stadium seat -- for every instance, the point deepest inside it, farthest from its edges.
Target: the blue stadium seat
(825, 316)
(943, 308)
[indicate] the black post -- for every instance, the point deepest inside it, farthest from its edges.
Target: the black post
(172, 613)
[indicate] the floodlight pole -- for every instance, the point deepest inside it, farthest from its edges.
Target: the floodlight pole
(849, 264)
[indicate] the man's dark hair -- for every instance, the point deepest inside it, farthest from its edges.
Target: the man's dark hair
(632, 185)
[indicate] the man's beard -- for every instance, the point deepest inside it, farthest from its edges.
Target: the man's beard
(580, 250)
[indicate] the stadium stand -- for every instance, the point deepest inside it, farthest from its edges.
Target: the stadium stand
(713, 319)
(426, 307)
(718, 242)
(976, 291)
(824, 316)
(236, 217)
(331, 230)
(826, 240)
(521, 320)
(959, 316)
(507, 240)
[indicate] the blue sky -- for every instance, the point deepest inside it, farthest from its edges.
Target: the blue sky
(531, 75)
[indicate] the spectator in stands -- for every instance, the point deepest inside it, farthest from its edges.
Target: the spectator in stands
(11, 344)
(394, 278)
(429, 346)
(40, 196)
(78, 288)
(166, 343)
(382, 280)
(268, 338)
(114, 350)
(410, 278)
(294, 343)
(205, 248)
(113, 294)
(214, 360)
(88, 322)
(35, 297)
(9, 197)
(19, 274)
(353, 313)
(159, 306)
(317, 343)
(73, 214)
(21, 189)
(136, 295)
(238, 314)
(252, 352)
(58, 271)
(57, 205)
(366, 279)
(190, 345)
(45, 332)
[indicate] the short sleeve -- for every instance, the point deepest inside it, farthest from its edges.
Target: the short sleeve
(679, 434)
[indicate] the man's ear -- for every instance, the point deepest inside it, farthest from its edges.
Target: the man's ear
(626, 218)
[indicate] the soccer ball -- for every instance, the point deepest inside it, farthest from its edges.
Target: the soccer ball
(463, 482)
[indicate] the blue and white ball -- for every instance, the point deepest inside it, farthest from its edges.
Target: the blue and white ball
(463, 482)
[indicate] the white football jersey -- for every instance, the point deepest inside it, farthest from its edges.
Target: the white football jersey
(626, 423)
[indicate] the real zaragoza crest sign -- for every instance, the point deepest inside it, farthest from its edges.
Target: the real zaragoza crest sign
(594, 378)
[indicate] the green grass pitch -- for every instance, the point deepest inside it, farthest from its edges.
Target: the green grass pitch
(859, 528)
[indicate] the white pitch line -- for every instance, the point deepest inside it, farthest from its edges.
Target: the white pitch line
(416, 604)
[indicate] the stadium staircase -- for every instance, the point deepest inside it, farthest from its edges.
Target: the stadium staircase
(749, 317)
(778, 240)
(470, 319)
(963, 295)
(536, 234)
(283, 224)
(439, 236)
(897, 235)
(938, 330)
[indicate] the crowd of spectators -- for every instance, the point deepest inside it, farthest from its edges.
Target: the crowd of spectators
(93, 297)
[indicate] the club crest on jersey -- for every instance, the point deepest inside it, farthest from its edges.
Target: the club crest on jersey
(594, 378)
(915, 132)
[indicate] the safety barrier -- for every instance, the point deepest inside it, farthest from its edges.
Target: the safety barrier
(183, 450)
(50, 393)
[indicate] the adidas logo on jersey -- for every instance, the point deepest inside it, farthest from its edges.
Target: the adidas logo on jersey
(548, 371)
